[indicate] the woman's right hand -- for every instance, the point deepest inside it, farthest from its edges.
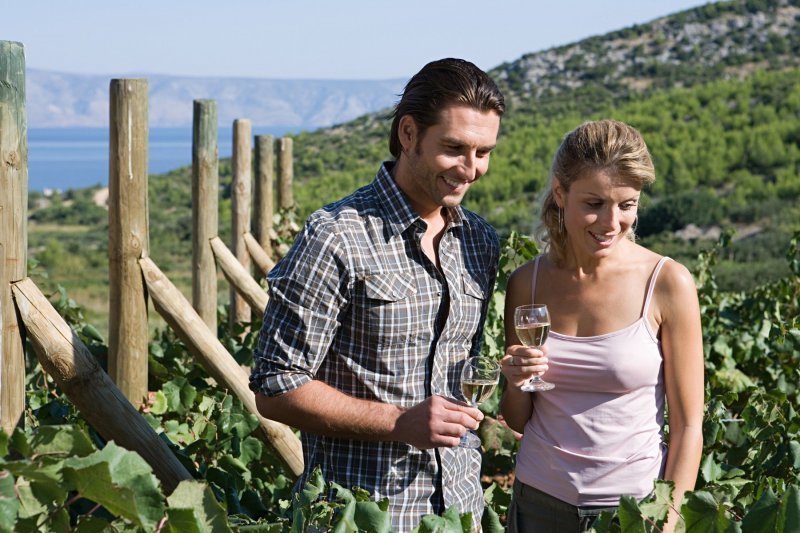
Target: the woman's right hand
(521, 363)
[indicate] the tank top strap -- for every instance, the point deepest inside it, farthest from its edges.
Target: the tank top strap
(533, 280)
(652, 284)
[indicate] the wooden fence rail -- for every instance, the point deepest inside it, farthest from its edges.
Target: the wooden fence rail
(220, 365)
(62, 354)
(260, 257)
(239, 278)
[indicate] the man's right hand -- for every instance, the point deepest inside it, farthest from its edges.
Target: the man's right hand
(436, 422)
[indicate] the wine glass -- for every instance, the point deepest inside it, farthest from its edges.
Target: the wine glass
(532, 323)
(479, 377)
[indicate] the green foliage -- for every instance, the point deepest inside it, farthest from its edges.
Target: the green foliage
(60, 473)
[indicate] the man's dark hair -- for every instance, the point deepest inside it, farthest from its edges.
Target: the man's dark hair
(440, 84)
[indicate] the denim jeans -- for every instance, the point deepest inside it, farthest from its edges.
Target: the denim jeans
(533, 511)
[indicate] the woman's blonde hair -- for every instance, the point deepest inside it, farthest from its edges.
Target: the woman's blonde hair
(609, 146)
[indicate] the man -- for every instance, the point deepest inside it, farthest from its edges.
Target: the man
(380, 300)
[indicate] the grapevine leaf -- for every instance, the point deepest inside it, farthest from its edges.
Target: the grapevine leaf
(794, 454)
(209, 432)
(160, 403)
(90, 332)
(172, 392)
(702, 513)
(604, 522)
(59, 521)
(62, 440)
(182, 521)
(630, 516)
(449, 522)
(370, 517)
(92, 524)
(30, 504)
(188, 395)
(710, 470)
(658, 508)
(314, 487)
(346, 518)
(206, 405)
(119, 480)
(763, 515)
(193, 507)
(495, 436)
(237, 470)
(3, 443)
(9, 504)
(490, 521)
(789, 519)
(19, 442)
(251, 450)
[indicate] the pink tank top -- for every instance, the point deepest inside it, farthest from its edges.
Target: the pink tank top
(598, 434)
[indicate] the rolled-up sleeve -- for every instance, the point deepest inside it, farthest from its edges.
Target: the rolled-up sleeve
(307, 294)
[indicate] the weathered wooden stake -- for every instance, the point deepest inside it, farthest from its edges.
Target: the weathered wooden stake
(241, 167)
(286, 168)
(13, 228)
(259, 256)
(262, 195)
(220, 365)
(205, 210)
(127, 237)
(239, 277)
(76, 371)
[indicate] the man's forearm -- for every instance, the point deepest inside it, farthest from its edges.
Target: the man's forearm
(319, 408)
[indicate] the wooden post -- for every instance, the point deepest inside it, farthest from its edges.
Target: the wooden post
(286, 168)
(205, 210)
(241, 165)
(76, 371)
(127, 237)
(13, 228)
(262, 195)
(205, 346)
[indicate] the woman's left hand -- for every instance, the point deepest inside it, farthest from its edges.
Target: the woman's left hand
(521, 363)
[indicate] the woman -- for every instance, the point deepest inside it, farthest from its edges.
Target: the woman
(625, 333)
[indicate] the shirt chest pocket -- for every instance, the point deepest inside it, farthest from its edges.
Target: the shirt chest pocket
(466, 313)
(388, 310)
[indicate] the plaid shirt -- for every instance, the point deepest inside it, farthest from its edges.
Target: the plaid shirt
(358, 305)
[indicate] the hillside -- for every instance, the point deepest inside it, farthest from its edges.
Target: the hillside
(717, 41)
(722, 119)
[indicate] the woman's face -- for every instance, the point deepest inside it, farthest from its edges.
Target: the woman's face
(599, 210)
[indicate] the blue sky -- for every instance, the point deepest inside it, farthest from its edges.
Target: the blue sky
(344, 39)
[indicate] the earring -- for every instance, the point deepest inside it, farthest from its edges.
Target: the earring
(560, 220)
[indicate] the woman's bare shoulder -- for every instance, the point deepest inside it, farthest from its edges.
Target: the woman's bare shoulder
(675, 288)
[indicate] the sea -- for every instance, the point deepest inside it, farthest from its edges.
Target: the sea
(77, 158)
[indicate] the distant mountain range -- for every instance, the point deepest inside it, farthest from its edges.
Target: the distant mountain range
(57, 99)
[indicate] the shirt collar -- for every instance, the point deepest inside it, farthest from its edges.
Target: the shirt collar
(399, 213)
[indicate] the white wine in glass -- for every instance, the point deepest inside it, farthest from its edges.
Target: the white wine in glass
(532, 324)
(479, 377)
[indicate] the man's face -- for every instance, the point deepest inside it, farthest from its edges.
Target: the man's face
(442, 163)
